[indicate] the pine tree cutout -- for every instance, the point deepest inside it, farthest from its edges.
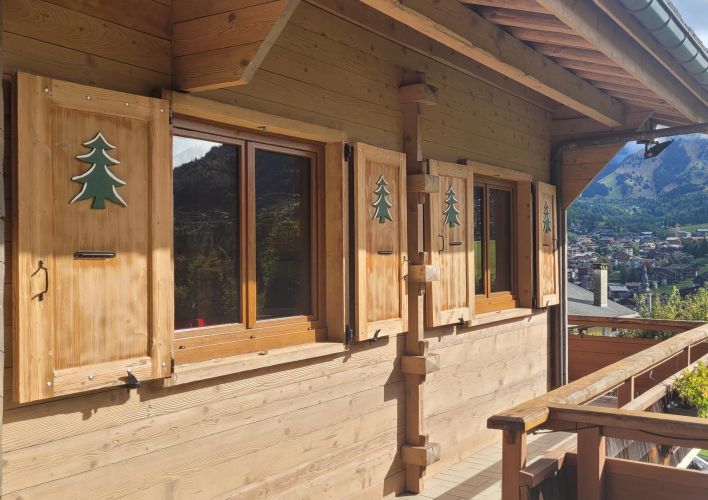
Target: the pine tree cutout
(99, 182)
(382, 204)
(451, 212)
(546, 218)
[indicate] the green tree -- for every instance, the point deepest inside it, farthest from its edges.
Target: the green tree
(451, 212)
(99, 182)
(382, 203)
(692, 307)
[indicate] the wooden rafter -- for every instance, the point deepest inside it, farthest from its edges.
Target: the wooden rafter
(522, 5)
(222, 44)
(597, 28)
(470, 34)
(540, 22)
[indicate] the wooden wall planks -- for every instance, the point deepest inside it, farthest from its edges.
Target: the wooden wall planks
(189, 440)
(482, 370)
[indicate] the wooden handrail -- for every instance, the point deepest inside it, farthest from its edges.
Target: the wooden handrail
(666, 325)
(645, 400)
(532, 414)
(560, 409)
(659, 428)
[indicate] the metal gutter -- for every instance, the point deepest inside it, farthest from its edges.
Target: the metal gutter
(660, 19)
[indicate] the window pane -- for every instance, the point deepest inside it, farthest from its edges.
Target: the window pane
(479, 214)
(206, 226)
(500, 240)
(283, 235)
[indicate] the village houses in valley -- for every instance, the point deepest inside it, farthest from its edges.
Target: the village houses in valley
(308, 249)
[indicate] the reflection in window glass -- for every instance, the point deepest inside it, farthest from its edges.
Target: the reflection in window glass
(499, 240)
(206, 226)
(283, 235)
(479, 273)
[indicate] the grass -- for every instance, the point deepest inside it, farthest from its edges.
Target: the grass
(693, 227)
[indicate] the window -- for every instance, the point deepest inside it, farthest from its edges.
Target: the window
(494, 234)
(246, 242)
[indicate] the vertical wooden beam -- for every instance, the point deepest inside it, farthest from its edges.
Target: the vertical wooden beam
(3, 256)
(591, 464)
(625, 392)
(412, 94)
(684, 358)
(513, 460)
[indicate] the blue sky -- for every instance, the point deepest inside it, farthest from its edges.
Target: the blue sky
(695, 14)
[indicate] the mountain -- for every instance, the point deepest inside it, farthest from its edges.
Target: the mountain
(632, 193)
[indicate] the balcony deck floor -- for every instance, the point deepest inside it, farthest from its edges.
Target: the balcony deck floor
(479, 475)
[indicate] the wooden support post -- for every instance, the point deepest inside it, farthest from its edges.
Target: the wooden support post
(684, 358)
(591, 464)
(413, 93)
(625, 392)
(3, 256)
(513, 460)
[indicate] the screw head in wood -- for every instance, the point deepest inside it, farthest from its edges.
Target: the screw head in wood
(49, 384)
(90, 377)
(88, 97)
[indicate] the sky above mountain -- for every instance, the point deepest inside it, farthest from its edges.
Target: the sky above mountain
(695, 14)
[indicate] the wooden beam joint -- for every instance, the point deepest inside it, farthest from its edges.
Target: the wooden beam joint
(423, 183)
(423, 273)
(422, 456)
(420, 93)
(420, 365)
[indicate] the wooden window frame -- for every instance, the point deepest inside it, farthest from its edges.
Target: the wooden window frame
(497, 301)
(250, 334)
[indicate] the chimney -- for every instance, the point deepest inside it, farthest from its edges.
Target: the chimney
(599, 284)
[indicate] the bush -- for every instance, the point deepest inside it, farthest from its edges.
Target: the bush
(692, 389)
(690, 308)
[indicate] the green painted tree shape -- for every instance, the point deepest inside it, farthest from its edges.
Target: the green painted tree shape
(99, 182)
(546, 218)
(382, 204)
(451, 212)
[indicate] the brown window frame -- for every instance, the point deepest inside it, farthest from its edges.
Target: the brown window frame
(250, 334)
(495, 301)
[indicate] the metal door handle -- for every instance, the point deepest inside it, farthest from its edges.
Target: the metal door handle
(40, 295)
(442, 237)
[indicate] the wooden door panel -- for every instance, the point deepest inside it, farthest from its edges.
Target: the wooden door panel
(103, 302)
(101, 321)
(547, 283)
(380, 222)
(451, 299)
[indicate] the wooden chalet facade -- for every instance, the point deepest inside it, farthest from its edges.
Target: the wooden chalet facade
(297, 249)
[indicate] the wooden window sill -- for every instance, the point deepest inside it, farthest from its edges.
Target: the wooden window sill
(219, 367)
(501, 315)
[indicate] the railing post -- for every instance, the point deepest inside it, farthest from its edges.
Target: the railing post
(684, 358)
(591, 464)
(625, 392)
(513, 460)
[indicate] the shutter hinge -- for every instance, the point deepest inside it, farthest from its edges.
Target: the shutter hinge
(170, 115)
(172, 364)
(348, 153)
(348, 335)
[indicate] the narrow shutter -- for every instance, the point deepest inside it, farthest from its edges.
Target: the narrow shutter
(547, 282)
(451, 299)
(381, 301)
(93, 234)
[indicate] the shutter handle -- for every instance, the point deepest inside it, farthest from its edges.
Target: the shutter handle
(40, 295)
(442, 237)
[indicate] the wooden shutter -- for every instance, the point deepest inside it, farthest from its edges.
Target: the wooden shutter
(381, 264)
(451, 299)
(547, 282)
(93, 286)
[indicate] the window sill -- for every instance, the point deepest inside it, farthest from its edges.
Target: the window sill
(502, 315)
(219, 367)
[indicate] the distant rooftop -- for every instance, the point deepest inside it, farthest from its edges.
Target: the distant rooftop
(580, 303)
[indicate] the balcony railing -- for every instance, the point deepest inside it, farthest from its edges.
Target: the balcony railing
(587, 471)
